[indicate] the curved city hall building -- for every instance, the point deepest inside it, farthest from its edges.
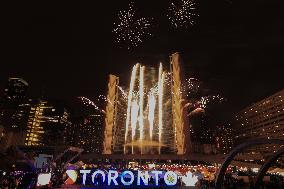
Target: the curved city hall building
(263, 119)
(148, 117)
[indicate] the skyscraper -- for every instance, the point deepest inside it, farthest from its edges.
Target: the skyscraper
(224, 138)
(16, 89)
(47, 123)
(89, 133)
(14, 109)
(13, 105)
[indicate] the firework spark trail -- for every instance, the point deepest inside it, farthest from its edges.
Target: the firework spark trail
(141, 99)
(124, 95)
(167, 79)
(181, 14)
(103, 97)
(130, 29)
(190, 86)
(86, 101)
(134, 116)
(151, 113)
(160, 100)
(130, 93)
(191, 83)
(135, 105)
(205, 100)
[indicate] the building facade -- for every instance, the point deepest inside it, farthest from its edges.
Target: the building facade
(47, 123)
(16, 89)
(224, 140)
(148, 117)
(14, 110)
(89, 133)
(263, 119)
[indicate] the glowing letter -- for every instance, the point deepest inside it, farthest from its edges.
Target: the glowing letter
(170, 178)
(157, 173)
(112, 178)
(144, 178)
(85, 172)
(131, 179)
(98, 172)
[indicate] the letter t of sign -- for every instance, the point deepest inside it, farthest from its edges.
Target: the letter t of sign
(157, 173)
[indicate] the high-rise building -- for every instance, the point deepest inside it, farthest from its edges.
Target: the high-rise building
(47, 124)
(13, 119)
(31, 122)
(89, 133)
(202, 135)
(200, 130)
(263, 119)
(16, 89)
(14, 107)
(224, 138)
(147, 116)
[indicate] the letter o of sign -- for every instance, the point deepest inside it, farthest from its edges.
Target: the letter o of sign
(170, 178)
(131, 179)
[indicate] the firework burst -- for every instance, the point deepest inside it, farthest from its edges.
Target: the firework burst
(181, 13)
(195, 103)
(205, 100)
(190, 86)
(129, 29)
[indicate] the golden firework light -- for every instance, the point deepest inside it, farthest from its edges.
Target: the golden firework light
(149, 115)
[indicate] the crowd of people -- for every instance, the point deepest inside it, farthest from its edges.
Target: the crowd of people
(19, 172)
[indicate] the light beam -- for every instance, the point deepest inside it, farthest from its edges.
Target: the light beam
(141, 99)
(129, 100)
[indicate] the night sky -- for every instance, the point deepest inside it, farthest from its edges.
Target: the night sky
(66, 49)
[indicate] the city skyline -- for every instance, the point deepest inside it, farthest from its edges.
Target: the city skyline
(221, 48)
(142, 94)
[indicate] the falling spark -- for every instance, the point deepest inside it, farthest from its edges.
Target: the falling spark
(141, 99)
(160, 99)
(205, 100)
(130, 93)
(103, 97)
(135, 100)
(124, 95)
(129, 29)
(168, 80)
(134, 116)
(190, 86)
(86, 101)
(181, 14)
(151, 113)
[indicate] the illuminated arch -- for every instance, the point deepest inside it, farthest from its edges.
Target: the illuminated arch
(266, 166)
(238, 149)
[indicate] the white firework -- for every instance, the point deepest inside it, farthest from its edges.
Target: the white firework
(205, 100)
(131, 30)
(89, 103)
(181, 14)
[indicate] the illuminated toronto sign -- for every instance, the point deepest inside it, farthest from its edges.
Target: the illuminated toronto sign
(72, 177)
(127, 178)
